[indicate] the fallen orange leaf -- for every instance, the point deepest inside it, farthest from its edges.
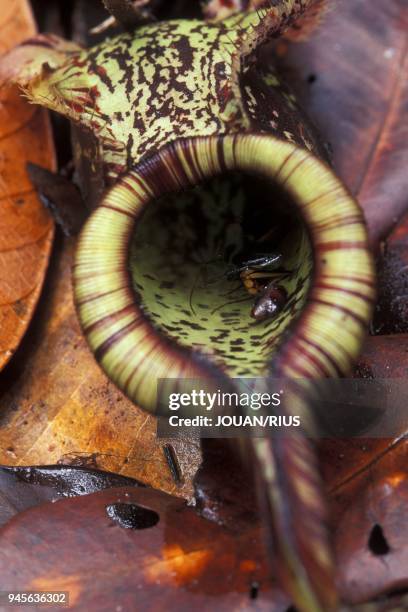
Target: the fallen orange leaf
(26, 230)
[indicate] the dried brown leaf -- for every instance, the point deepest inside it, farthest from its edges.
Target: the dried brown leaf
(26, 229)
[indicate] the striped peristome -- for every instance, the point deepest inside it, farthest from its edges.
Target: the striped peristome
(330, 329)
(324, 340)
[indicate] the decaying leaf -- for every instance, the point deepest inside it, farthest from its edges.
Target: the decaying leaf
(163, 550)
(26, 229)
(151, 547)
(391, 314)
(368, 488)
(370, 534)
(342, 460)
(26, 487)
(351, 78)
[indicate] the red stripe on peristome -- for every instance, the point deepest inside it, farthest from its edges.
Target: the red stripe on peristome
(311, 357)
(285, 180)
(45, 41)
(135, 348)
(326, 194)
(96, 296)
(340, 245)
(135, 369)
(221, 154)
(177, 171)
(189, 153)
(321, 350)
(129, 188)
(283, 164)
(137, 179)
(337, 222)
(197, 163)
(101, 351)
(110, 318)
(156, 174)
(346, 311)
(363, 296)
(288, 362)
(118, 210)
(354, 279)
(91, 275)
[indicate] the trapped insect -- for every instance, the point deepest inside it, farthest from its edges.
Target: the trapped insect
(255, 274)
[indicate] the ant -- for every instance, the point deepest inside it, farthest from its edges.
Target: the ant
(254, 274)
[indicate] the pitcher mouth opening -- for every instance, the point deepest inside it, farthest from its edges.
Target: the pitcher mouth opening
(141, 306)
(202, 260)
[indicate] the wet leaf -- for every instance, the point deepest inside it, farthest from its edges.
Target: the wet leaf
(26, 229)
(228, 501)
(178, 557)
(368, 489)
(384, 357)
(371, 535)
(351, 78)
(25, 487)
(164, 549)
(391, 315)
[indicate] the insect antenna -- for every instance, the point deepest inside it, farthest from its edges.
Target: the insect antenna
(233, 290)
(246, 299)
(193, 288)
